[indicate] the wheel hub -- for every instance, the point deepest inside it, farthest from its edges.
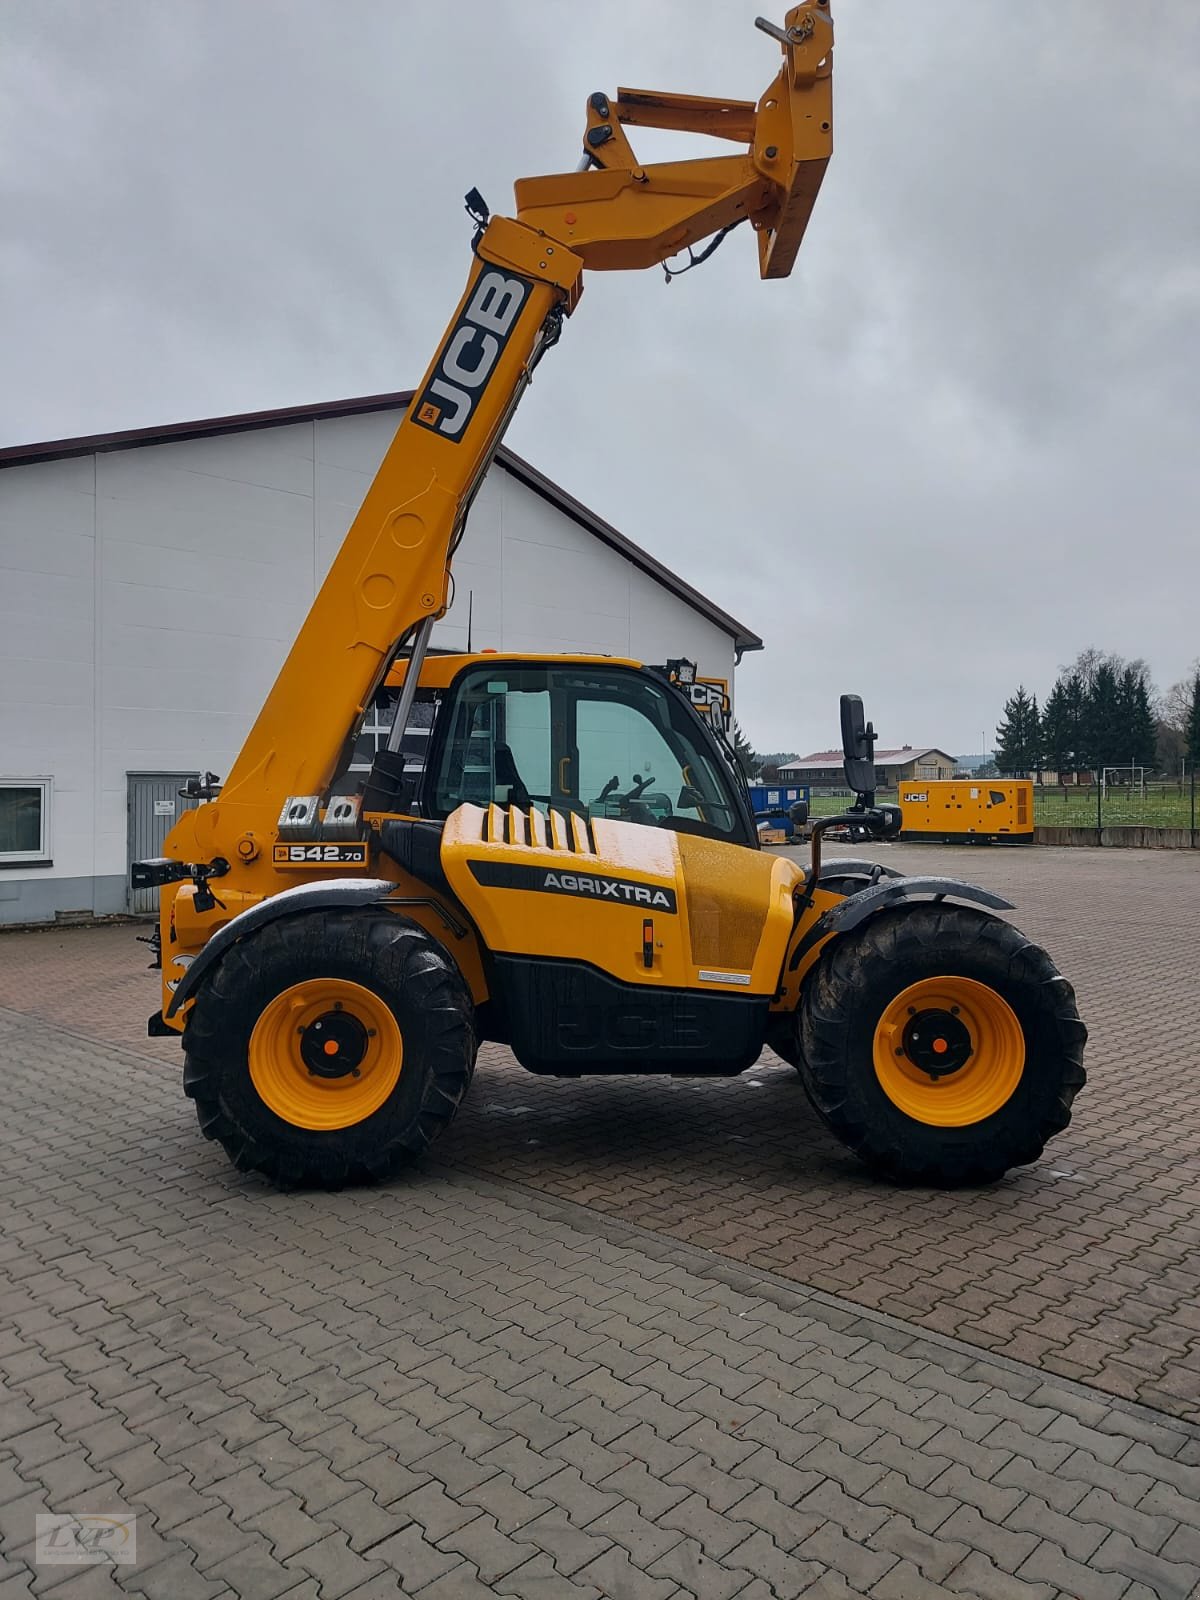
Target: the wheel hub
(936, 1042)
(333, 1045)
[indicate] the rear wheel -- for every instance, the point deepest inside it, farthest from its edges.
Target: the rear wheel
(330, 1048)
(941, 1045)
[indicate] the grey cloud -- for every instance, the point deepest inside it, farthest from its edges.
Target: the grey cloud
(957, 445)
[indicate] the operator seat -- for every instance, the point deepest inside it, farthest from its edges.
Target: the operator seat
(506, 773)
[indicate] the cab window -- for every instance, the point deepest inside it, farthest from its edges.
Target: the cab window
(603, 742)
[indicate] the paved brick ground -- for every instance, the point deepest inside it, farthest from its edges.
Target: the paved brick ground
(452, 1387)
(1087, 1265)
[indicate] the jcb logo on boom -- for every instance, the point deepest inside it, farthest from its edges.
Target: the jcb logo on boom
(469, 356)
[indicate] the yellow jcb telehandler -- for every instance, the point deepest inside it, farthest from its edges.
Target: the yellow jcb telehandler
(574, 869)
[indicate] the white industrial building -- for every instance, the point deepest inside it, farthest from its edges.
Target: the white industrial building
(152, 581)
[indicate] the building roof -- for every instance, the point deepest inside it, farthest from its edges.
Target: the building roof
(245, 422)
(821, 759)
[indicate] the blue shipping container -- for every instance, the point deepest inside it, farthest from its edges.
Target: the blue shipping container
(766, 797)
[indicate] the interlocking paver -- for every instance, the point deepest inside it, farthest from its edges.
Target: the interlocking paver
(855, 1561)
(905, 1581)
(255, 1570)
(311, 1393)
(489, 1550)
(1019, 1474)
(644, 1540)
(287, 1527)
(1077, 1537)
(1169, 1578)
(336, 1567)
(894, 1492)
(980, 1579)
(698, 1574)
(1051, 1564)
(539, 1579)
(413, 1558)
(786, 1574)
(613, 1573)
(568, 1546)
(176, 1578)
(1007, 1546)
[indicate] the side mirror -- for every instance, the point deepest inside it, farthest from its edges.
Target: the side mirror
(799, 814)
(858, 747)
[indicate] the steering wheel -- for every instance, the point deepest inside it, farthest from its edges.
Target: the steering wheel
(640, 785)
(631, 805)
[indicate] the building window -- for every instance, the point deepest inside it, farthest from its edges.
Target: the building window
(24, 820)
(927, 771)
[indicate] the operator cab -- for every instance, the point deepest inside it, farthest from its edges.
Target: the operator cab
(599, 738)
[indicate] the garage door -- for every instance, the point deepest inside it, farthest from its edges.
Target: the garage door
(154, 805)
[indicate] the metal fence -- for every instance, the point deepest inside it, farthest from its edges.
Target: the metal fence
(1152, 804)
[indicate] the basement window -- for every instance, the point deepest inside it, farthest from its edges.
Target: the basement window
(24, 820)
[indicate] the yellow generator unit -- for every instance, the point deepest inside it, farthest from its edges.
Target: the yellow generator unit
(962, 810)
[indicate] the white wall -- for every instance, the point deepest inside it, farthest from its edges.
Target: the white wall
(148, 597)
(47, 653)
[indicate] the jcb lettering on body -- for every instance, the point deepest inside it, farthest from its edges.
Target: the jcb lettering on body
(588, 1029)
(470, 354)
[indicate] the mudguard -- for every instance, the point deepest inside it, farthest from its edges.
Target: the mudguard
(303, 897)
(856, 908)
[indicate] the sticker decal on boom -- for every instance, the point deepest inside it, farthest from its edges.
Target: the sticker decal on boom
(588, 885)
(468, 358)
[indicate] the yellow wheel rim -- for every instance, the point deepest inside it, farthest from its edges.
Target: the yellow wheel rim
(949, 1052)
(325, 1054)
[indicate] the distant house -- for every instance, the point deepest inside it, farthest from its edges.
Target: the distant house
(823, 769)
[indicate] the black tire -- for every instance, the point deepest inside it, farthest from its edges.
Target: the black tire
(379, 950)
(862, 973)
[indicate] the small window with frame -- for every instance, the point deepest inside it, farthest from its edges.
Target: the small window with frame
(24, 820)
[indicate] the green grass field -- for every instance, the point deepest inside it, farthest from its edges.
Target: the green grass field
(1162, 807)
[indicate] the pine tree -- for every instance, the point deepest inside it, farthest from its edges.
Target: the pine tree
(1141, 731)
(1076, 706)
(1060, 727)
(1018, 738)
(1103, 720)
(744, 751)
(1193, 727)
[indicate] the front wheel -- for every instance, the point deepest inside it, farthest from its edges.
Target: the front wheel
(940, 1045)
(330, 1047)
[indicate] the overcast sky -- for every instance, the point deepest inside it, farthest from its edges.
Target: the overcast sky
(959, 443)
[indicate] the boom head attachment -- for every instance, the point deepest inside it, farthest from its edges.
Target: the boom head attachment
(616, 213)
(793, 133)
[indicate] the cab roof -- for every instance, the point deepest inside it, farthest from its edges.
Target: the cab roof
(438, 671)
